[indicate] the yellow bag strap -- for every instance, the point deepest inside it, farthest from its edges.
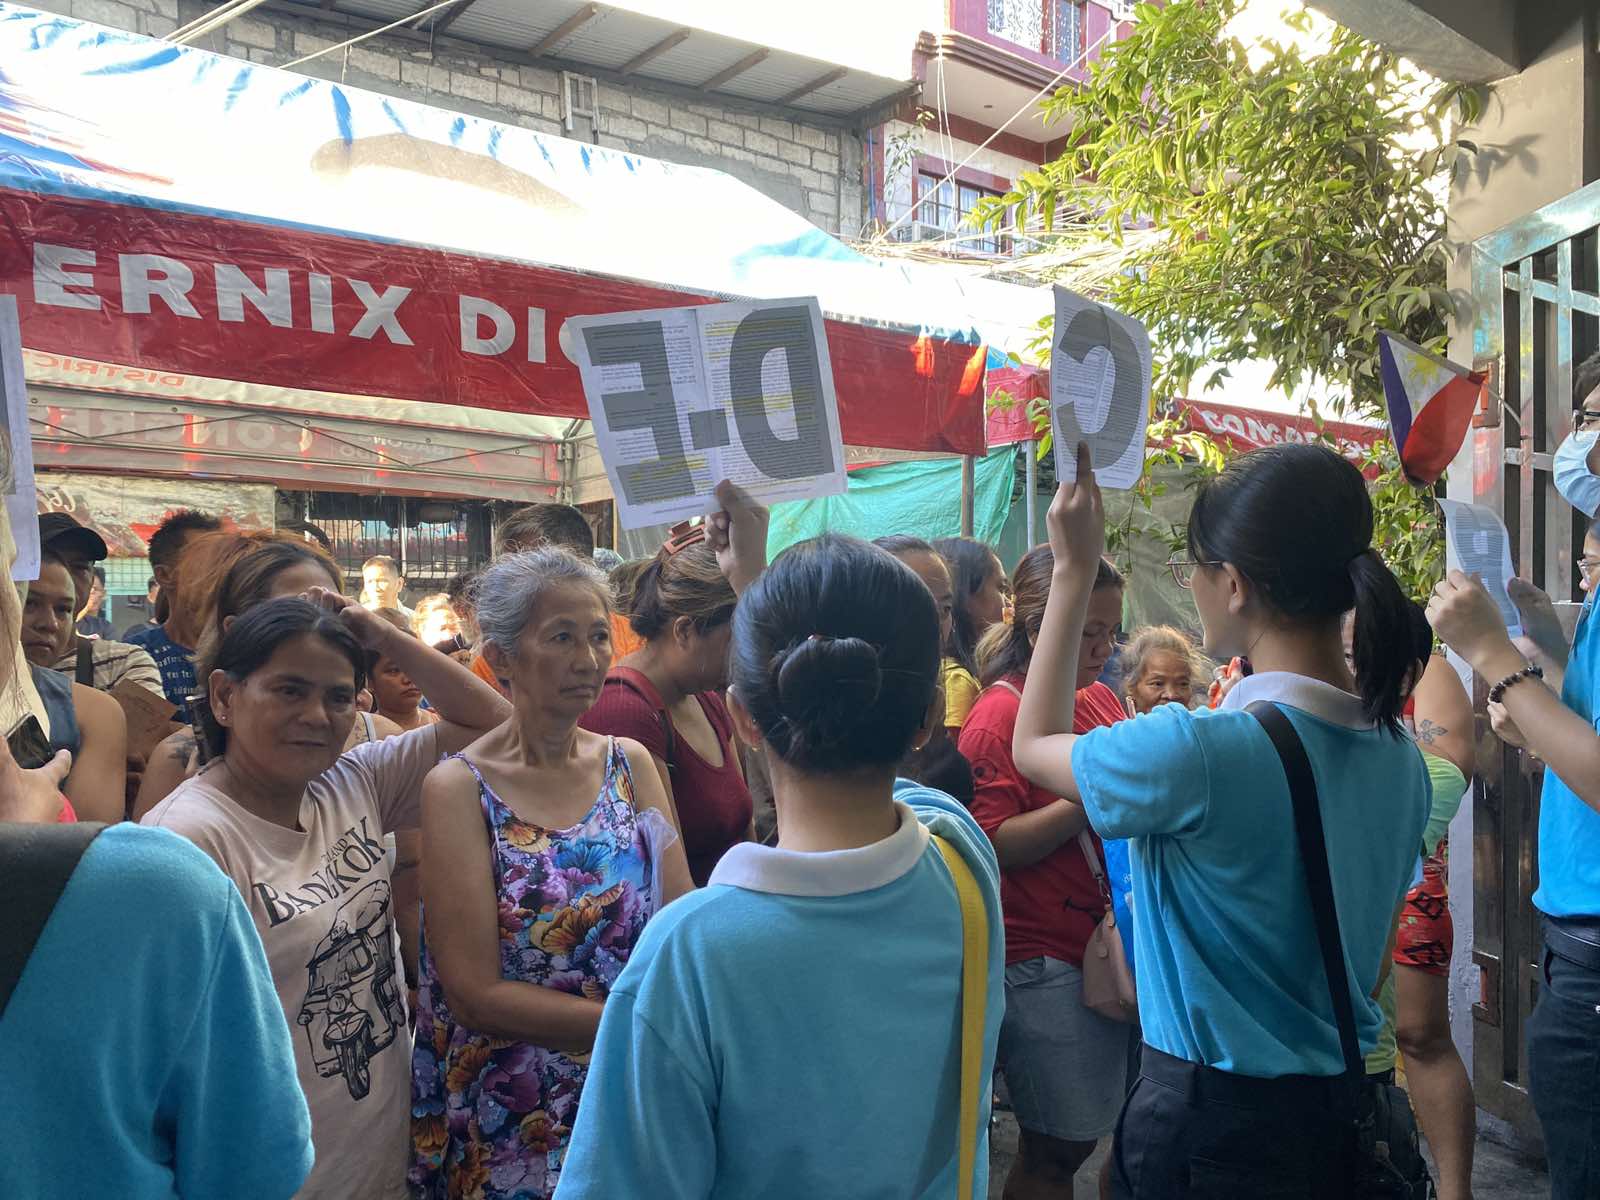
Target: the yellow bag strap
(974, 993)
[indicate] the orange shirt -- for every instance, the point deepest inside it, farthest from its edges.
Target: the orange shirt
(624, 641)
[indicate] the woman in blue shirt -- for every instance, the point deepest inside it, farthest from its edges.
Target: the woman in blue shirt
(793, 1029)
(1238, 1093)
(1557, 721)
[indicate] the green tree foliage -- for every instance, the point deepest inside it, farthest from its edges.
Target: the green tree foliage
(1274, 205)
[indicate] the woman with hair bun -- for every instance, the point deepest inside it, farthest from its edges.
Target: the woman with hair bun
(667, 695)
(826, 972)
(1243, 1087)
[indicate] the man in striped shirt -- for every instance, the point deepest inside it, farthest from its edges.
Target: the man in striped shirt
(94, 662)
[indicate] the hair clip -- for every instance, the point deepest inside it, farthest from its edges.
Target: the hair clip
(681, 536)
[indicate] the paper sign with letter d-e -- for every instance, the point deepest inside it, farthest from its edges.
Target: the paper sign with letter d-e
(683, 398)
(1099, 390)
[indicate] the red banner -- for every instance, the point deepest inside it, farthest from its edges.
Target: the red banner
(286, 307)
(1244, 429)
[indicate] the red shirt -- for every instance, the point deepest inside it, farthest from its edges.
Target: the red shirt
(713, 803)
(1051, 907)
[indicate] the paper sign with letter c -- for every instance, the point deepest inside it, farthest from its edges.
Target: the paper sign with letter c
(1099, 390)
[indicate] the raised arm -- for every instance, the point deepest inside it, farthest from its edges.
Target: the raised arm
(1042, 744)
(461, 699)
(737, 533)
(463, 927)
(1467, 620)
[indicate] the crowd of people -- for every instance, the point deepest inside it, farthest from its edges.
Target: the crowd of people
(711, 877)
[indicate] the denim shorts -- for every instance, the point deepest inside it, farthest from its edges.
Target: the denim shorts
(1065, 1065)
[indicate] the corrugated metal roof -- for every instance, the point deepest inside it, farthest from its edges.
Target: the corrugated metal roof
(612, 37)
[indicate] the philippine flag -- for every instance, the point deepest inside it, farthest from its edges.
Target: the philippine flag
(1431, 402)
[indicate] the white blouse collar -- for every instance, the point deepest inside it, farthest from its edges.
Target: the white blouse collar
(1309, 695)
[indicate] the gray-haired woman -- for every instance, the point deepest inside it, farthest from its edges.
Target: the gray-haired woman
(548, 850)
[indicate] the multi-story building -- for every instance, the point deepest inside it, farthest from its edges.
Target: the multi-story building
(925, 105)
(848, 139)
(975, 124)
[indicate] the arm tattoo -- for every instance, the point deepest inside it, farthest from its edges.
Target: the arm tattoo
(1429, 731)
(182, 749)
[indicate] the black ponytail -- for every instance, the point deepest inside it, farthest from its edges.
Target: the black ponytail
(1384, 644)
(1296, 521)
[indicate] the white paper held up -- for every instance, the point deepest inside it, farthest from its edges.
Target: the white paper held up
(22, 504)
(1476, 541)
(1099, 390)
(683, 398)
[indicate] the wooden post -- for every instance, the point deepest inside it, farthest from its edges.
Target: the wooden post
(968, 478)
(1030, 496)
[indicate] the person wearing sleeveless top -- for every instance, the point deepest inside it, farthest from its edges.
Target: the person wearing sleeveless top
(82, 720)
(549, 848)
(667, 696)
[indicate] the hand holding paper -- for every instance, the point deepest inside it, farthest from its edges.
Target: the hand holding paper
(1476, 543)
(1468, 620)
(1099, 390)
(737, 532)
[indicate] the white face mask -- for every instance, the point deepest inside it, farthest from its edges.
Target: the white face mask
(1578, 485)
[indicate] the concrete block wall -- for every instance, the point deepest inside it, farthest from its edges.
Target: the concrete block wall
(812, 169)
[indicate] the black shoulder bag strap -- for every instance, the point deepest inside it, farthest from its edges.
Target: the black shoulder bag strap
(35, 863)
(85, 671)
(1314, 856)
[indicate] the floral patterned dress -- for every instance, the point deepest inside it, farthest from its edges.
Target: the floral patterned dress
(491, 1118)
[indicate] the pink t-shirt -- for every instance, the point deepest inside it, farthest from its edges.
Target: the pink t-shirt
(320, 898)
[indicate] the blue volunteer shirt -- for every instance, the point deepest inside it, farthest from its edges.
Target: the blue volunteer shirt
(1569, 830)
(144, 1052)
(176, 664)
(1230, 973)
(793, 1030)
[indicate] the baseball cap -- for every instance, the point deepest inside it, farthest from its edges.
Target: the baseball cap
(59, 530)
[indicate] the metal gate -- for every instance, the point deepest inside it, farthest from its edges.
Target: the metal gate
(1537, 312)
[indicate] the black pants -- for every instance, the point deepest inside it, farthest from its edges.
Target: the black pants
(1564, 1058)
(1190, 1132)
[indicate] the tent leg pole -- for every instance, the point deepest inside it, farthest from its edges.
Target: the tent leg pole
(968, 479)
(1030, 492)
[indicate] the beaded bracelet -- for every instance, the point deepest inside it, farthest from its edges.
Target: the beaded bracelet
(1499, 689)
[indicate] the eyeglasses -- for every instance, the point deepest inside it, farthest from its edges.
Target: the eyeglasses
(1588, 566)
(1585, 418)
(1183, 570)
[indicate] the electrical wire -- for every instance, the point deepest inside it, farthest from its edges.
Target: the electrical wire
(212, 21)
(405, 20)
(1027, 104)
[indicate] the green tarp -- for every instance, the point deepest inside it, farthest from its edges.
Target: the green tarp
(924, 498)
(921, 498)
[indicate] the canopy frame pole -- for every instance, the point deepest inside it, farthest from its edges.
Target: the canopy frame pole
(1030, 475)
(968, 478)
